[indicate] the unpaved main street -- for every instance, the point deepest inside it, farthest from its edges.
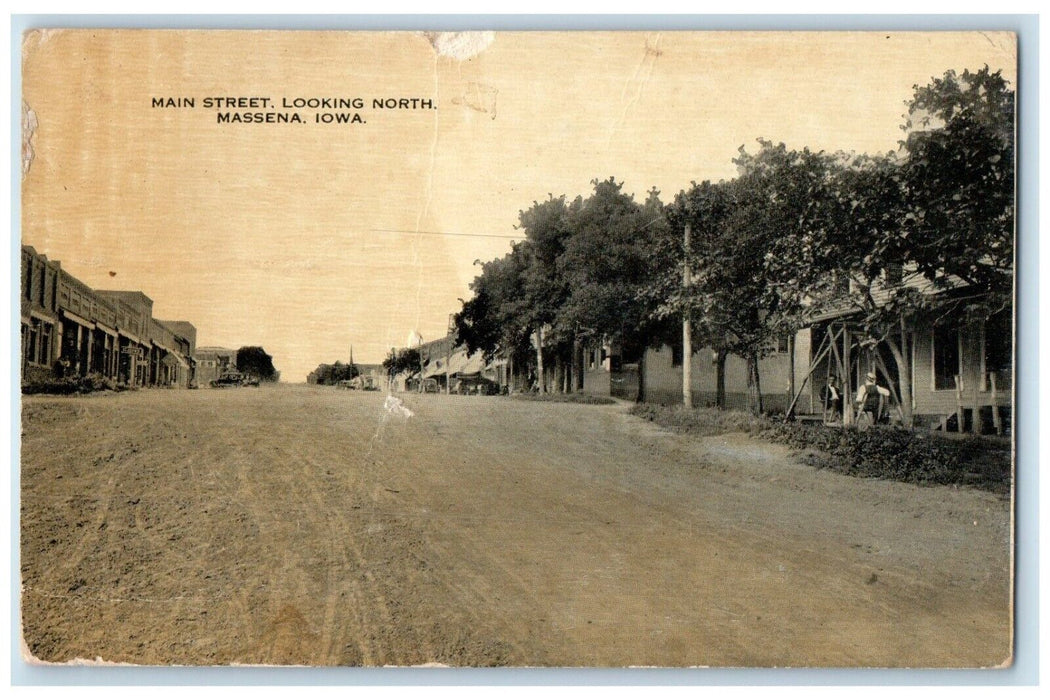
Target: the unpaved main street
(308, 525)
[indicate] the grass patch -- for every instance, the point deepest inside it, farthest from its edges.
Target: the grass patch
(566, 398)
(700, 421)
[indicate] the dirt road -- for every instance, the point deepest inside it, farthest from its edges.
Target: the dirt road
(309, 525)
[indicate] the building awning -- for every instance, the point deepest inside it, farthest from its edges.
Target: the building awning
(43, 315)
(106, 329)
(163, 347)
(130, 336)
(462, 364)
(171, 360)
(76, 318)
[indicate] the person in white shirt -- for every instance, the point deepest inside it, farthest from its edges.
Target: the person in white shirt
(872, 400)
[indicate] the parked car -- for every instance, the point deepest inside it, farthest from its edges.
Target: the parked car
(475, 385)
(359, 382)
(234, 379)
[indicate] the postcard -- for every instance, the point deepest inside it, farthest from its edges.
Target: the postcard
(528, 349)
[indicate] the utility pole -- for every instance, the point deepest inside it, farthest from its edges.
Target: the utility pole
(448, 354)
(687, 329)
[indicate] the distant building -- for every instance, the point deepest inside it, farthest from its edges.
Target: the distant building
(212, 362)
(185, 330)
(376, 374)
(447, 366)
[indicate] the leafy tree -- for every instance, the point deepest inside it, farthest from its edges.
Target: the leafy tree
(254, 361)
(735, 227)
(604, 265)
(958, 181)
(848, 257)
(398, 361)
(495, 318)
(705, 209)
(575, 278)
(547, 227)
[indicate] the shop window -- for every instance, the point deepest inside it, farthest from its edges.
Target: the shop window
(34, 339)
(946, 359)
(45, 343)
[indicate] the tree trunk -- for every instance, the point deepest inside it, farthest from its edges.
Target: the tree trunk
(540, 379)
(848, 409)
(570, 369)
(578, 383)
(567, 360)
(903, 376)
(687, 360)
(559, 374)
(754, 389)
(580, 366)
(720, 379)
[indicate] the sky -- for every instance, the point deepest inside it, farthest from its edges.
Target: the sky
(311, 238)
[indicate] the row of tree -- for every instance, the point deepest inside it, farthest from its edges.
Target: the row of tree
(749, 259)
(332, 374)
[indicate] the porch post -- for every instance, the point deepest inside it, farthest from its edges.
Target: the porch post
(847, 383)
(90, 349)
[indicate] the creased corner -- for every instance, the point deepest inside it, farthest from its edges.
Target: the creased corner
(33, 38)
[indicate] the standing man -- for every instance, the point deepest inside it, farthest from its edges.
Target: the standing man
(832, 396)
(872, 401)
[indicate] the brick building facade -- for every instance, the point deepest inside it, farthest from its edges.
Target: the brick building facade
(71, 330)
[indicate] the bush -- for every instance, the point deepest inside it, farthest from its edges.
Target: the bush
(50, 386)
(73, 385)
(902, 455)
